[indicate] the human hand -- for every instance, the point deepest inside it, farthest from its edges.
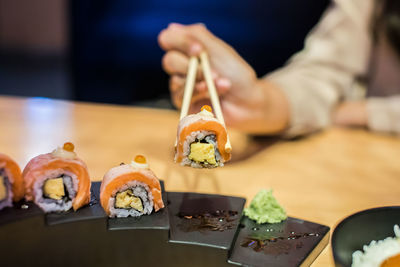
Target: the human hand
(351, 113)
(235, 80)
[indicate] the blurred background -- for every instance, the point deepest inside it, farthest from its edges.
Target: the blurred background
(107, 51)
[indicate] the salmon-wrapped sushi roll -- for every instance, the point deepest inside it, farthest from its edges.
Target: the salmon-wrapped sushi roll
(11, 182)
(202, 141)
(131, 190)
(57, 181)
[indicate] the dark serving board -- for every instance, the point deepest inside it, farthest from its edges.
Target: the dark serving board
(293, 242)
(202, 228)
(21, 210)
(158, 220)
(92, 211)
(188, 231)
(193, 229)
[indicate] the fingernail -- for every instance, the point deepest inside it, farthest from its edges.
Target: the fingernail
(195, 49)
(201, 24)
(223, 82)
(175, 25)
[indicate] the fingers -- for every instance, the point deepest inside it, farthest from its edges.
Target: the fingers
(222, 85)
(200, 92)
(181, 42)
(176, 83)
(178, 37)
(176, 63)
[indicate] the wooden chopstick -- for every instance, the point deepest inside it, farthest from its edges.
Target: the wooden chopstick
(205, 64)
(189, 85)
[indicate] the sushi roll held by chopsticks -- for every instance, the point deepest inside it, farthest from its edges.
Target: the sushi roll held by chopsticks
(57, 181)
(202, 140)
(131, 190)
(11, 183)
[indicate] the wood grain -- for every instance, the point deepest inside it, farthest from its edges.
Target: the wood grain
(321, 178)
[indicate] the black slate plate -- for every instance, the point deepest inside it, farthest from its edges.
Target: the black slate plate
(21, 210)
(293, 242)
(192, 240)
(190, 231)
(156, 220)
(89, 212)
(360, 229)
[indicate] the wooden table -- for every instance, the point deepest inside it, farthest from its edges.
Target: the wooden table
(322, 178)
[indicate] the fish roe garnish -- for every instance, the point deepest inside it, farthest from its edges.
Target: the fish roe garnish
(69, 147)
(140, 159)
(206, 107)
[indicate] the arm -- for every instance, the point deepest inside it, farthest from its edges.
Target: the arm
(380, 114)
(335, 53)
(298, 98)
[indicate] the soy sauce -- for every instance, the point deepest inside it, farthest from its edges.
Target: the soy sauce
(219, 220)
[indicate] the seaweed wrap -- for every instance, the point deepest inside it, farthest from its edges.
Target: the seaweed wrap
(11, 182)
(57, 181)
(131, 190)
(202, 140)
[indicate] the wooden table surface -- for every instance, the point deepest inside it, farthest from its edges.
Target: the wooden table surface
(322, 178)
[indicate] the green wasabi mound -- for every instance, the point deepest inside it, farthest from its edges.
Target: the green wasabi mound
(265, 209)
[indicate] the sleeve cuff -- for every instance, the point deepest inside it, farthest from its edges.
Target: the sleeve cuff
(384, 114)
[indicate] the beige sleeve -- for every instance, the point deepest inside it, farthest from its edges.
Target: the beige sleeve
(384, 114)
(335, 53)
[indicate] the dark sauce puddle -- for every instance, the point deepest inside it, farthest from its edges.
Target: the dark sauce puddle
(276, 245)
(219, 220)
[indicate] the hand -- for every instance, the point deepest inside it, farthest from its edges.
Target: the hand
(351, 114)
(244, 98)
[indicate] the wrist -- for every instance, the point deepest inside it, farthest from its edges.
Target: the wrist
(351, 114)
(266, 109)
(276, 107)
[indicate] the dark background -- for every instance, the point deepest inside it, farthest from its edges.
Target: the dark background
(107, 51)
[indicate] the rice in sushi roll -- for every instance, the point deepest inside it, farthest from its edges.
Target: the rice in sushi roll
(201, 141)
(57, 181)
(131, 190)
(11, 182)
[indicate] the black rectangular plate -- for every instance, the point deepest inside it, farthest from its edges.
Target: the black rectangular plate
(193, 203)
(296, 243)
(92, 211)
(156, 220)
(17, 213)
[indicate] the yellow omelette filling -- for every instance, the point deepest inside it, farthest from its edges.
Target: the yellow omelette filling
(126, 200)
(54, 188)
(3, 189)
(202, 152)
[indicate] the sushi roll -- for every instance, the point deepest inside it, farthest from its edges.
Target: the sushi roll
(11, 182)
(57, 181)
(202, 140)
(131, 190)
